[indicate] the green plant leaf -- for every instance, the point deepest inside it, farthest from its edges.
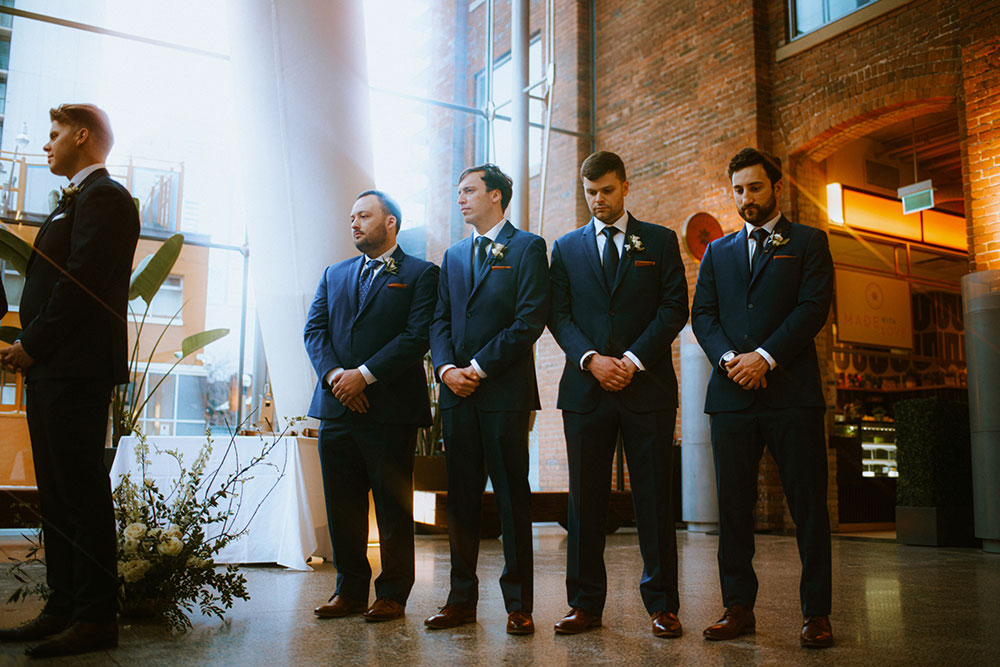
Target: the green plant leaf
(199, 340)
(9, 334)
(14, 250)
(150, 273)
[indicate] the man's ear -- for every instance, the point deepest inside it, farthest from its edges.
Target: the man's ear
(778, 186)
(82, 135)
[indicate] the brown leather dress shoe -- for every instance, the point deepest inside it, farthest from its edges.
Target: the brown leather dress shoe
(816, 632)
(520, 623)
(577, 621)
(339, 606)
(79, 637)
(738, 620)
(666, 624)
(40, 627)
(384, 609)
(450, 616)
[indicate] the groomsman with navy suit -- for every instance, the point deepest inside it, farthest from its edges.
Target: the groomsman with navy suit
(493, 301)
(366, 335)
(763, 294)
(619, 298)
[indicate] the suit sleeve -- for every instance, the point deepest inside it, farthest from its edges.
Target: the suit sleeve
(705, 321)
(3, 300)
(530, 313)
(408, 346)
(671, 313)
(99, 237)
(813, 306)
(316, 334)
(569, 336)
(442, 351)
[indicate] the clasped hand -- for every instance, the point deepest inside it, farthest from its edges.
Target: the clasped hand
(349, 389)
(15, 358)
(612, 373)
(748, 369)
(461, 381)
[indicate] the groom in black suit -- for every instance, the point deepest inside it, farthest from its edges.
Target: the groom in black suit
(763, 294)
(72, 350)
(619, 298)
(366, 335)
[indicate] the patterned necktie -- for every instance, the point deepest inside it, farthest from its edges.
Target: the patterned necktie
(759, 235)
(367, 275)
(482, 243)
(610, 256)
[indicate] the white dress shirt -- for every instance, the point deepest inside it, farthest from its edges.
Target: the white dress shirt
(332, 376)
(84, 173)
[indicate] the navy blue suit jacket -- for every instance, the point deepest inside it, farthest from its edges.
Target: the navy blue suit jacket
(387, 334)
(780, 308)
(494, 317)
(643, 313)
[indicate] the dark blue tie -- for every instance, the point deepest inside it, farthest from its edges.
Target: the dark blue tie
(759, 235)
(365, 282)
(610, 256)
(482, 243)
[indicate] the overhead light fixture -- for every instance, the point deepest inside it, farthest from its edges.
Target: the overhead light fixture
(917, 197)
(835, 203)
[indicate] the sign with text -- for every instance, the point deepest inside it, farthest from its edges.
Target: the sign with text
(873, 310)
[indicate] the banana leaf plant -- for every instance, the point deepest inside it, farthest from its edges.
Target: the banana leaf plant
(127, 403)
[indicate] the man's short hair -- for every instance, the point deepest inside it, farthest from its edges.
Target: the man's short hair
(494, 180)
(600, 163)
(389, 205)
(89, 116)
(748, 157)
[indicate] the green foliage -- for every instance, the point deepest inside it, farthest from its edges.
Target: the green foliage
(149, 274)
(430, 440)
(933, 454)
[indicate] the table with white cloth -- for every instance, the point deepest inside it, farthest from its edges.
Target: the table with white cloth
(290, 524)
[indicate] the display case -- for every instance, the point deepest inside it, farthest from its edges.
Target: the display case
(866, 470)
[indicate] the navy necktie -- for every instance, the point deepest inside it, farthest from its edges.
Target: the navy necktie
(482, 243)
(610, 256)
(759, 235)
(367, 275)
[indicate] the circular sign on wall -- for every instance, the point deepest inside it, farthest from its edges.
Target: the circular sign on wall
(698, 231)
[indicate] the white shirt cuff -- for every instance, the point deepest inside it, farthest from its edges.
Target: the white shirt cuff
(586, 355)
(444, 368)
(367, 374)
(332, 376)
(635, 360)
(767, 357)
(479, 371)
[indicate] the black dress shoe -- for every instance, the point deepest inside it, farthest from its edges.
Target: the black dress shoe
(738, 620)
(816, 632)
(39, 627)
(79, 637)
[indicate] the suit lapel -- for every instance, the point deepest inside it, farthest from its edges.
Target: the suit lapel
(738, 255)
(380, 280)
(62, 208)
(589, 252)
(768, 250)
(503, 238)
(626, 260)
(353, 275)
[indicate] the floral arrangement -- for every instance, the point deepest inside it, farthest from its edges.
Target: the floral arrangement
(776, 240)
(634, 244)
(497, 250)
(67, 195)
(390, 266)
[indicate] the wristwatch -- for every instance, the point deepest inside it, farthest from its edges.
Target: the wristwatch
(726, 358)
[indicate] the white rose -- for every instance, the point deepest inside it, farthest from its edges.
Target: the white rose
(135, 531)
(136, 570)
(173, 531)
(131, 546)
(194, 561)
(170, 546)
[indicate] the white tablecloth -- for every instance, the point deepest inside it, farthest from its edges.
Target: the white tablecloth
(290, 525)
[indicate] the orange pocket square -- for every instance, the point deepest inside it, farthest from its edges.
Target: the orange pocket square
(643, 262)
(397, 285)
(784, 256)
(497, 268)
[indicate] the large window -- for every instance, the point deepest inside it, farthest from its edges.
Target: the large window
(808, 15)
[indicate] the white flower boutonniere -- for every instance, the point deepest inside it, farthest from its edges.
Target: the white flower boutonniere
(67, 195)
(776, 239)
(497, 250)
(634, 244)
(390, 266)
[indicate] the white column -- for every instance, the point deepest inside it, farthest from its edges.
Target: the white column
(302, 120)
(699, 504)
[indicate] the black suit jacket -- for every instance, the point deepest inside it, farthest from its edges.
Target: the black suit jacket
(780, 308)
(387, 334)
(642, 313)
(75, 299)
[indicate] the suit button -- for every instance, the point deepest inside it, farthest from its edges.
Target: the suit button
(745, 336)
(468, 316)
(462, 347)
(611, 313)
(749, 305)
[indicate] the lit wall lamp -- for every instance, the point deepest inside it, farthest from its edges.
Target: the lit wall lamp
(835, 203)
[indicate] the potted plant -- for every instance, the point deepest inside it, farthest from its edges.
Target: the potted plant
(430, 472)
(933, 456)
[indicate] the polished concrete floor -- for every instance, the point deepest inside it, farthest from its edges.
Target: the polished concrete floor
(893, 605)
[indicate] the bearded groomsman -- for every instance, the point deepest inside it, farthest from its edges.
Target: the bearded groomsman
(366, 335)
(72, 351)
(619, 298)
(763, 294)
(493, 300)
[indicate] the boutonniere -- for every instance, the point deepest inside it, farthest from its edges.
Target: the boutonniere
(634, 244)
(390, 266)
(776, 240)
(497, 250)
(67, 195)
